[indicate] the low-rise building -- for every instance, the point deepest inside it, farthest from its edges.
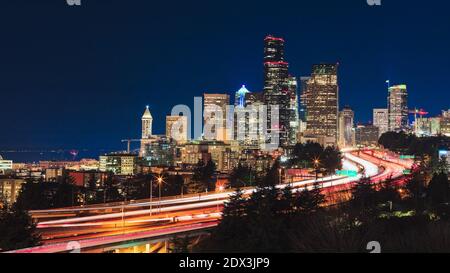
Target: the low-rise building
(5, 165)
(119, 164)
(10, 189)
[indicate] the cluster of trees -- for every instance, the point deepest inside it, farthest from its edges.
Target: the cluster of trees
(17, 229)
(203, 178)
(412, 145)
(403, 218)
(305, 155)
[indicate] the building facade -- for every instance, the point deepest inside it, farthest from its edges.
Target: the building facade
(346, 128)
(398, 108)
(215, 124)
(177, 128)
(119, 164)
(381, 119)
(278, 91)
(320, 99)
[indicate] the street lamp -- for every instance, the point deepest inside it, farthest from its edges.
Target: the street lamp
(221, 188)
(160, 181)
(316, 167)
(151, 195)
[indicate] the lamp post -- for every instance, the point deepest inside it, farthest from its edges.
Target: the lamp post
(220, 190)
(160, 181)
(151, 195)
(316, 167)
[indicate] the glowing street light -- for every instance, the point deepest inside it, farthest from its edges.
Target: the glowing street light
(160, 181)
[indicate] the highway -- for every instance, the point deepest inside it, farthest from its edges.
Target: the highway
(174, 215)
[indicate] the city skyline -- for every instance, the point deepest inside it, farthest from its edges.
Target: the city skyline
(104, 109)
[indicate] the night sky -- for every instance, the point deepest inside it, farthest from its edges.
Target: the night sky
(80, 77)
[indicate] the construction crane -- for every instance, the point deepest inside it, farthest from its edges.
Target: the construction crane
(129, 143)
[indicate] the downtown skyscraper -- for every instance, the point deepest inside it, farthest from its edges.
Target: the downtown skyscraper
(398, 108)
(280, 89)
(320, 99)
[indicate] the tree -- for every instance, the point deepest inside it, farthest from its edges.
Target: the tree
(16, 229)
(415, 187)
(364, 198)
(310, 200)
(35, 195)
(331, 159)
(287, 201)
(242, 176)
(110, 191)
(439, 189)
(202, 179)
(272, 177)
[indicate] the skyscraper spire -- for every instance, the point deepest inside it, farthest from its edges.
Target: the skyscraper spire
(147, 121)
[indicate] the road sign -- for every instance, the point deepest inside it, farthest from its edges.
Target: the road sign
(347, 173)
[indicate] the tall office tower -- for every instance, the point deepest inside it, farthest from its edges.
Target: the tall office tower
(398, 108)
(177, 128)
(276, 88)
(346, 127)
(381, 119)
(213, 103)
(239, 99)
(294, 114)
(147, 121)
(321, 99)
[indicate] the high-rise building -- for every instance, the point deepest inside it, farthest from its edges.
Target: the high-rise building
(177, 128)
(398, 108)
(277, 90)
(346, 128)
(381, 119)
(147, 121)
(293, 113)
(212, 104)
(321, 99)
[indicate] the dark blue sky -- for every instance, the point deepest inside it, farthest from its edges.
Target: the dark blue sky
(80, 77)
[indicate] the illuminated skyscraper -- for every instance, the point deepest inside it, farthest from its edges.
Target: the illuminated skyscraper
(180, 132)
(321, 99)
(294, 112)
(381, 119)
(277, 90)
(213, 103)
(147, 121)
(346, 128)
(398, 108)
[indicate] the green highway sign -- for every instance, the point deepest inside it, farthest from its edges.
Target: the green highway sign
(347, 173)
(407, 157)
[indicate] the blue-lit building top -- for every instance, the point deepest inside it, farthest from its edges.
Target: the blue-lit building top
(240, 96)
